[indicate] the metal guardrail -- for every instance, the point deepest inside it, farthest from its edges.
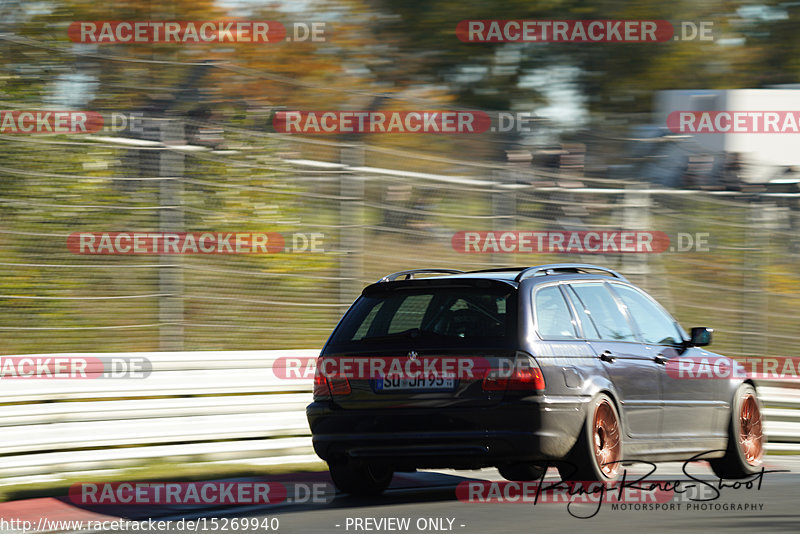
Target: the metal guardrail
(781, 413)
(204, 407)
(201, 407)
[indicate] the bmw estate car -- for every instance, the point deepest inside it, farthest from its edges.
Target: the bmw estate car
(570, 366)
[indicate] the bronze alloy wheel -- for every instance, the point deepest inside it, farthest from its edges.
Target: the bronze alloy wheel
(606, 439)
(751, 437)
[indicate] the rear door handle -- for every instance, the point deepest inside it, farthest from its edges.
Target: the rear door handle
(607, 356)
(660, 358)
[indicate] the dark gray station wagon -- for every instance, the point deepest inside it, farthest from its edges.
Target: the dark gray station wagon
(591, 381)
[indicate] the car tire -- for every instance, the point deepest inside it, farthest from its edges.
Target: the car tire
(360, 478)
(746, 440)
(597, 455)
(521, 472)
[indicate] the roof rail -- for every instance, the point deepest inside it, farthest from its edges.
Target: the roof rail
(410, 274)
(554, 267)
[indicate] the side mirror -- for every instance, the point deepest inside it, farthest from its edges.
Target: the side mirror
(701, 336)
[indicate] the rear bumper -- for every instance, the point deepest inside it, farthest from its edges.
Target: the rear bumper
(531, 429)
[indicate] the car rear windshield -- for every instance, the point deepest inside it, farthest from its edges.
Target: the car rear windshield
(432, 317)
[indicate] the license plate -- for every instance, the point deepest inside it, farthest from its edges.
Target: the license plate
(389, 383)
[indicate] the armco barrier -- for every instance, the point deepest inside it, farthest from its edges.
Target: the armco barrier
(782, 414)
(227, 406)
(205, 407)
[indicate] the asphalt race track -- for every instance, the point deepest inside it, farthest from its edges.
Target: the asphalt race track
(428, 502)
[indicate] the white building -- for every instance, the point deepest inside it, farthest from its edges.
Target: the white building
(763, 153)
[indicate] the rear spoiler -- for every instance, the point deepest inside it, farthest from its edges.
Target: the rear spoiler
(384, 287)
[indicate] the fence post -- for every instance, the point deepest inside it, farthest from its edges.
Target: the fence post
(170, 272)
(636, 216)
(504, 210)
(760, 218)
(351, 221)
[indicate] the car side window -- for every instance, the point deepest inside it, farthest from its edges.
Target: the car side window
(655, 325)
(610, 321)
(553, 318)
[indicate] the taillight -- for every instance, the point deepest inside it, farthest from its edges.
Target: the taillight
(524, 379)
(524, 376)
(339, 386)
(494, 381)
(321, 390)
(325, 387)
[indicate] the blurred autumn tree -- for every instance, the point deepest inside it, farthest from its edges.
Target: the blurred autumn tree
(407, 51)
(612, 76)
(404, 54)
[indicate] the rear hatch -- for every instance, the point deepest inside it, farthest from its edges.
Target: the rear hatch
(426, 343)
